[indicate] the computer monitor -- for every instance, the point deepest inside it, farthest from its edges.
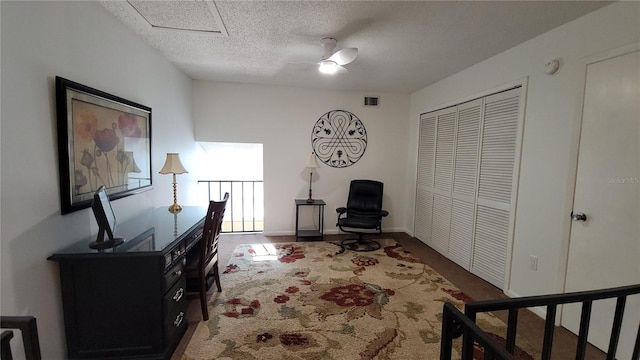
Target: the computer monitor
(106, 221)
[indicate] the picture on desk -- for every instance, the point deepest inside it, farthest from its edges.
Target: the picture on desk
(106, 220)
(103, 140)
(144, 242)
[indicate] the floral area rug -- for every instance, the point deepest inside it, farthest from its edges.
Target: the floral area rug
(309, 300)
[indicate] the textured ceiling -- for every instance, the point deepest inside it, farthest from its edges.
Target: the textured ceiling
(403, 45)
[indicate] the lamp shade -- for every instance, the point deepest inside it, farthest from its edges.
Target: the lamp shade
(313, 163)
(173, 165)
(133, 167)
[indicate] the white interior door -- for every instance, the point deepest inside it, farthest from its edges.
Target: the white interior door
(604, 250)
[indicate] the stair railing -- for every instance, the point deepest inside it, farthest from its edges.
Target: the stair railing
(457, 326)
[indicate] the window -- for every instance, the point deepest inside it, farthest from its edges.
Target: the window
(236, 168)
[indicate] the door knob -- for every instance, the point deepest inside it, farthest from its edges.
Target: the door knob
(578, 216)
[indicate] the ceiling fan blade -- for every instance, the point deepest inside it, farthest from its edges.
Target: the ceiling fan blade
(344, 56)
(341, 70)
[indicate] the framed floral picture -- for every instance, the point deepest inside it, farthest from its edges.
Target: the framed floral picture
(103, 140)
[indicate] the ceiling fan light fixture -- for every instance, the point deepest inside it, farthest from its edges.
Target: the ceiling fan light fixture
(328, 67)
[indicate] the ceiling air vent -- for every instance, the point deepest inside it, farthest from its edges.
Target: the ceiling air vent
(371, 101)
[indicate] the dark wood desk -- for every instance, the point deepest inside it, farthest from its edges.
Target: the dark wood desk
(129, 302)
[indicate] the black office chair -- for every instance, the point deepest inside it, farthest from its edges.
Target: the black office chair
(363, 214)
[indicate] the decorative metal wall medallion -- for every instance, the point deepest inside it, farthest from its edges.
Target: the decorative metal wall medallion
(339, 138)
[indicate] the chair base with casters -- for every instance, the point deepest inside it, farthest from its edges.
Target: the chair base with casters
(359, 243)
(362, 215)
(202, 262)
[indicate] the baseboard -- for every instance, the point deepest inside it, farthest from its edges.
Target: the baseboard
(335, 231)
(278, 233)
(539, 310)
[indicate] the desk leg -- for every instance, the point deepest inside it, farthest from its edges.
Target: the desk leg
(297, 216)
(321, 221)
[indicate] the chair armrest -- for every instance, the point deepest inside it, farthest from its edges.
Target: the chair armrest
(384, 213)
(341, 210)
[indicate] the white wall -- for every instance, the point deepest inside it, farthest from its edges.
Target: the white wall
(80, 41)
(552, 120)
(282, 119)
(83, 42)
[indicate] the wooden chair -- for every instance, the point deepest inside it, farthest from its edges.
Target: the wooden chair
(202, 261)
(29, 328)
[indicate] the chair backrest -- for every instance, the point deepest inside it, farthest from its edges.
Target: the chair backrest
(29, 328)
(365, 198)
(212, 227)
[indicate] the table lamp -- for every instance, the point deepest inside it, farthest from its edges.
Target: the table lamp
(173, 166)
(312, 164)
(132, 166)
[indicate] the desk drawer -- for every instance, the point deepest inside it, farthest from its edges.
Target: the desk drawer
(175, 321)
(172, 256)
(173, 275)
(175, 297)
(193, 237)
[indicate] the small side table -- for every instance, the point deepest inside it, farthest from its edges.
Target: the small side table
(313, 233)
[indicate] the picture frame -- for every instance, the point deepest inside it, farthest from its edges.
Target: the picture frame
(103, 140)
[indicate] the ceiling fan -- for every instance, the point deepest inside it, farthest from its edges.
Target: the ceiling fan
(333, 62)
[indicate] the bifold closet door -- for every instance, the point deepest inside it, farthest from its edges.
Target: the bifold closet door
(424, 182)
(435, 174)
(442, 178)
(497, 174)
(465, 182)
(467, 165)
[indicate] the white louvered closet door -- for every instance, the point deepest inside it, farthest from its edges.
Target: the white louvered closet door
(465, 182)
(497, 174)
(424, 191)
(467, 165)
(442, 178)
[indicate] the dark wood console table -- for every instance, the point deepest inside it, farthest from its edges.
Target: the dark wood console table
(129, 302)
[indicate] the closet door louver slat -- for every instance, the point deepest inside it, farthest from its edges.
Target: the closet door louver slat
(426, 150)
(424, 210)
(468, 130)
(461, 232)
(490, 246)
(440, 224)
(444, 149)
(497, 157)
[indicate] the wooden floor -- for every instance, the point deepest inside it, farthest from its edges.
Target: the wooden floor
(530, 326)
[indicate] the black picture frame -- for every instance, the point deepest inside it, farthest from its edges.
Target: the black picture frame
(103, 140)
